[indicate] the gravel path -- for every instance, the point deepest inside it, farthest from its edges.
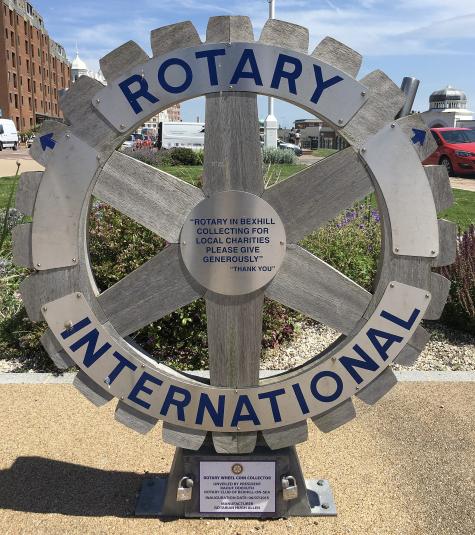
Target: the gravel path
(447, 350)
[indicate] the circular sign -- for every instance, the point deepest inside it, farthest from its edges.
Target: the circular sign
(233, 243)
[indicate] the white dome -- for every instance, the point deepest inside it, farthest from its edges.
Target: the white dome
(78, 64)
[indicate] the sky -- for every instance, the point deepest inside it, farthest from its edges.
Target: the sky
(432, 40)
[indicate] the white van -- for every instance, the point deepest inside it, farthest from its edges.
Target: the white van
(188, 135)
(8, 135)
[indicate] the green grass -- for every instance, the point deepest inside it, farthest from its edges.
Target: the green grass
(462, 211)
(6, 184)
(323, 153)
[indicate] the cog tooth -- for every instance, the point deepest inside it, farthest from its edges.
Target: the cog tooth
(440, 185)
(447, 243)
(439, 288)
(336, 417)
(134, 419)
(57, 354)
(40, 151)
(384, 102)
(91, 390)
(284, 437)
(282, 33)
(234, 442)
(168, 38)
(225, 29)
(338, 55)
(378, 388)
(22, 248)
(123, 58)
(410, 353)
(188, 439)
(86, 123)
(26, 192)
(415, 122)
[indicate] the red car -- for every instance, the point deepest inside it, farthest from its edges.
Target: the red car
(456, 150)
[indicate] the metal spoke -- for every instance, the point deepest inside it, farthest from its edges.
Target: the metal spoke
(319, 193)
(309, 285)
(155, 199)
(157, 288)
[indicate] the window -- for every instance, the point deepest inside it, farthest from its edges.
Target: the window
(14, 59)
(28, 83)
(28, 65)
(12, 39)
(21, 81)
(26, 46)
(14, 80)
(11, 17)
(6, 33)
(29, 102)
(1, 129)
(16, 100)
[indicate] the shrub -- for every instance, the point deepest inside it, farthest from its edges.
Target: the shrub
(166, 158)
(278, 156)
(460, 309)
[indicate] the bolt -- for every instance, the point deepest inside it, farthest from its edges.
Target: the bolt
(183, 242)
(38, 265)
(107, 381)
(45, 309)
(282, 243)
(74, 260)
(68, 136)
(68, 325)
(320, 482)
(363, 149)
(325, 506)
(143, 365)
(98, 100)
(432, 252)
(396, 250)
(78, 295)
(357, 388)
(391, 285)
(230, 87)
(122, 398)
(363, 93)
(122, 126)
(238, 428)
(427, 296)
(333, 359)
(340, 121)
(393, 125)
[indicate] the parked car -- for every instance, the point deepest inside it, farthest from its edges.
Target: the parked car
(8, 135)
(132, 141)
(291, 146)
(29, 141)
(455, 150)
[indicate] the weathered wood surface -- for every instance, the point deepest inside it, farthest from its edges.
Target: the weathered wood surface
(91, 390)
(335, 418)
(121, 60)
(378, 388)
(155, 289)
(26, 192)
(447, 244)
(415, 122)
(410, 353)
(226, 29)
(174, 36)
(384, 102)
(338, 55)
(152, 198)
(57, 354)
(234, 442)
(314, 196)
(22, 247)
(285, 34)
(283, 437)
(309, 285)
(440, 185)
(439, 288)
(134, 419)
(188, 439)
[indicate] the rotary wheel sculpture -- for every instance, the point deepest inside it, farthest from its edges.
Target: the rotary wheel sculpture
(90, 329)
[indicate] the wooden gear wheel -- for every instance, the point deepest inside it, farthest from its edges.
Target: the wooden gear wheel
(84, 163)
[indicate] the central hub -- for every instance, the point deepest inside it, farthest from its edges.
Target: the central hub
(233, 243)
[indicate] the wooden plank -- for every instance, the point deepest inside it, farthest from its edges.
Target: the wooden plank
(440, 185)
(314, 196)
(26, 192)
(234, 442)
(39, 150)
(338, 55)
(86, 123)
(22, 248)
(225, 29)
(188, 439)
(439, 289)
(411, 352)
(283, 437)
(168, 38)
(384, 102)
(378, 388)
(152, 198)
(415, 122)
(157, 288)
(309, 285)
(91, 390)
(285, 34)
(335, 418)
(121, 60)
(57, 354)
(447, 244)
(134, 419)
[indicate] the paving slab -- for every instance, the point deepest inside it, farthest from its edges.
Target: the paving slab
(404, 466)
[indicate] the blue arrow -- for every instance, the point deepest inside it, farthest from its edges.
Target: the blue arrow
(47, 141)
(419, 136)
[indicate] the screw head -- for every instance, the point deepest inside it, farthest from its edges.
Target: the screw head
(325, 506)
(432, 252)
(391, 285)
(68, 136)
(393, 125)
(38, 265)
(340, 121)
(98, 100)
(122, 126)
(363, 149)
(183, 242)
(68, 325)
(427, 296)
(363, 93)
(78, 295)
(282, 243)
(320, 482)
(45, 309)
(74, 260)
(396, 249)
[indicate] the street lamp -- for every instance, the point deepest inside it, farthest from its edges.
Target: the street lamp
(270, 124)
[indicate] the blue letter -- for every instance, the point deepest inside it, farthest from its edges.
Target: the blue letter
(350, 364)
(140, 387)
(279, 72)
(247, 55)
(91, 354)
(272, 395)
(374, 334)
(244, 401)
(179, 404)
(300, 398)
(188, 72)
(75, 328)
(141, 92)
(398, 321)
(216, 415)
(123, 363)
(210, 55)
(322, 85)
(321, 397)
